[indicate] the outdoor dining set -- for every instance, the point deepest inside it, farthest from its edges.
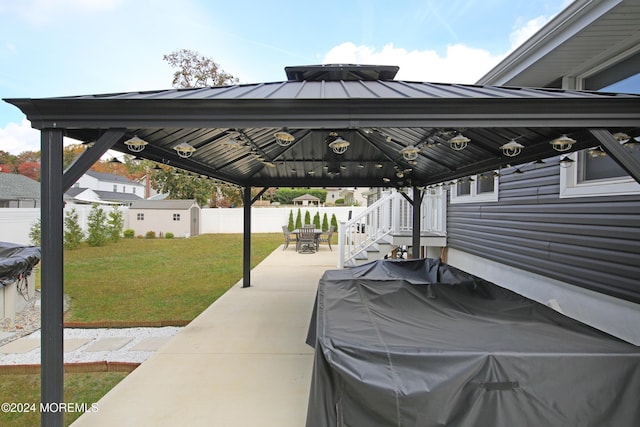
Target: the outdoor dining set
(307, 239)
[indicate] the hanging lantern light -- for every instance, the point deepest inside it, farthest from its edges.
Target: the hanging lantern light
(338, 145)
(512, 148)
(410, 152)
(184, 150)
(459, 142)
(283, 139)
(135, 144)
(562, 143)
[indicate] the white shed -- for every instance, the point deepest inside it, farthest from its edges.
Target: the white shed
(180, 217)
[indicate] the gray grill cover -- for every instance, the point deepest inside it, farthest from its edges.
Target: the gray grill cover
(420, 343)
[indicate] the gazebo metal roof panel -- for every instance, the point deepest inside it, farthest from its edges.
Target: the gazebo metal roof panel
(232, 127)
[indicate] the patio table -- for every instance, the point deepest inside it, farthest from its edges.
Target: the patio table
(317, 232)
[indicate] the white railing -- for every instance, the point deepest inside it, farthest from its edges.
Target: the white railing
(391, 215)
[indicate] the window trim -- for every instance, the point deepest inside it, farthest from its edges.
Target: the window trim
(475, 197)
(570, 187)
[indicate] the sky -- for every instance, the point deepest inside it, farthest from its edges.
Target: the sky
(80, 47)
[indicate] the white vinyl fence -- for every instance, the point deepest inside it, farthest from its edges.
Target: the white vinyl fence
(15, 223)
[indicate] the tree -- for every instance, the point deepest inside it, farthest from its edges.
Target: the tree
(73, 233)
(299, 219)
(35, 233)
(179, 185)
(316, 220)
(30, 170)
(115, 224)
(334, 221)
(307, 217)
(96, 227)
(195, 70)
(325, 223)
(290, 225)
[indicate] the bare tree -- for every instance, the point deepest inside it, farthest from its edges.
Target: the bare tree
(195, 70)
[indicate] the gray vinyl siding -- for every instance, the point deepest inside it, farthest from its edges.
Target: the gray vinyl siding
(591, 242)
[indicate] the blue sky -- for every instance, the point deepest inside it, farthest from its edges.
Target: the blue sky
(77, 47)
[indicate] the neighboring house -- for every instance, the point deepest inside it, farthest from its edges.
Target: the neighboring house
(347, 195)
(107, 188)
(18, 191)
(180, 217)
(565, 236)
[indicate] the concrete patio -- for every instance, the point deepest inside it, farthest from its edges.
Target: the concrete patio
(242, 362)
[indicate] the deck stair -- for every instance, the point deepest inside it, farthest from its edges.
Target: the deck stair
(387, 224)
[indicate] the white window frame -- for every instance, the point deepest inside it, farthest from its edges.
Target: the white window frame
(475, 197)
(570, 187)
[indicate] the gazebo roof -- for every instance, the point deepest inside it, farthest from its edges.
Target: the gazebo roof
(232, 128)
(307, 197)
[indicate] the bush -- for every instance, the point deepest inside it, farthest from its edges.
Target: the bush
(129, 233)
(298, 220)
(150, 235)
(116, 222)
(325, 223)
(168, 235)
(290, 225)
(98, 233)
(316, 220)
(35, 232)
(334, 221)
(73, 234)
(307, 217)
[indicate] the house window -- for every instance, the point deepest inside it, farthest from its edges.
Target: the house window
(176, 217)
(476, 189)
(140, 217)
(592, 176)
(115, 188)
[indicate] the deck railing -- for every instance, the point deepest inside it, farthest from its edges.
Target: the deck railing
(390, 215)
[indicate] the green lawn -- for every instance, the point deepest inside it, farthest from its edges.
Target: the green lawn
(156, 279)
(79, 388)
(137, 280)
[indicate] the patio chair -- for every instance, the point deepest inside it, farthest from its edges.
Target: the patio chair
(306, 239)
(326, 238)
(288, 237)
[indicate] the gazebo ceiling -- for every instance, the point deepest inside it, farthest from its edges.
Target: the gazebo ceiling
(232, 128)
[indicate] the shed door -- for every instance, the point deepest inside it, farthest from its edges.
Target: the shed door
(195, 221)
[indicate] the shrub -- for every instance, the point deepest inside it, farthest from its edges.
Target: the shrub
(98, 234)
(35, 232)
(116, 222)
(150, 235)
(129, 233)
(334, 221)
(307, 217)
(291, 225)
(325, 223)
(339, 202)
(299, 219)
(316, 220)
(73, 234)
(168, 235)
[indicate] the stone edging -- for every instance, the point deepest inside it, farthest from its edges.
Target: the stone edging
(72, 368)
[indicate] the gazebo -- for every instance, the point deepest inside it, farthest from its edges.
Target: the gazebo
(306, 200)
(326, 125)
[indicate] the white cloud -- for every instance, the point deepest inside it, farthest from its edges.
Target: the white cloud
(461, 64)
(16, 138)
(522, 34)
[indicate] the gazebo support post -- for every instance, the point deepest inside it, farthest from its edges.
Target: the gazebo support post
(52, 356)
(415, 237)
(246, 254)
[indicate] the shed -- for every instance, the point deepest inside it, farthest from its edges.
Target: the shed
(180, 217)
(305, 200)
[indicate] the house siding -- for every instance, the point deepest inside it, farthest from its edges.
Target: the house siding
(590, 242)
